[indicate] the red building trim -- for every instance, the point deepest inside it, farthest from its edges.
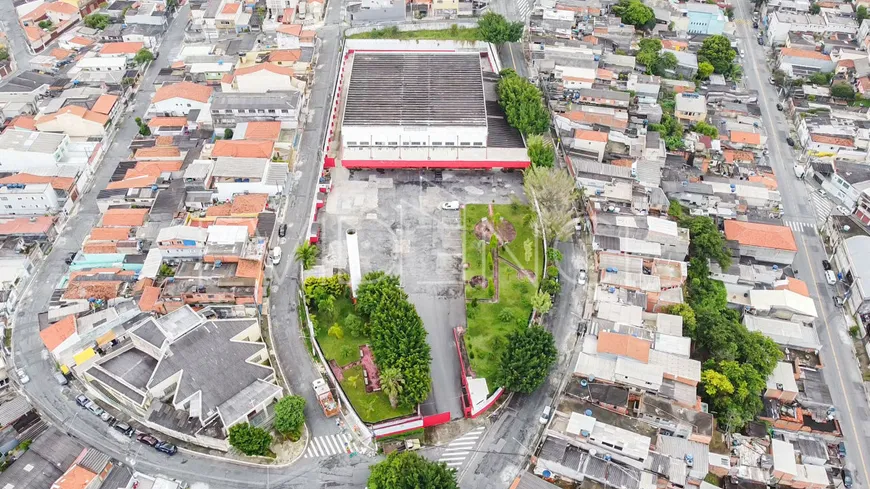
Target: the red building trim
(448, 164)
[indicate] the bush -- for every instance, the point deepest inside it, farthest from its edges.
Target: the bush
(356, 326)
(290, 415)
(523, 104)
(506, 316)
(854, 331)
(527, 360)
(250, 440)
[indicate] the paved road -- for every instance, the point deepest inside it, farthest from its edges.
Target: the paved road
(507, 444)
(511, 53)
(339, 471)
(17, 41)
(841, 373)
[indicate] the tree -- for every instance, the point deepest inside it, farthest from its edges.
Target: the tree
(633, 12)
(553, 192)
(335, 331)
(97, 21)
(716, 383)
(665, 62)
(820, 78)
(371, 290)
(843, 90)
(740, 406)
(250, 440)
(407, 470)
(306, 253)
(144, 130)
(707, 242)
(862, 14)
(527, 360)
(541, 153)
(289, 415)
(45, 24)
(522, 104)
(541, 302)
(127, 81)
(706, 129)
(717, 51)
(356, 326)
(392, 384)
(690, 323)
(496, 29)
(143, 56)
(4, 53)
(816, 8)
(228, 133)
(705, 69)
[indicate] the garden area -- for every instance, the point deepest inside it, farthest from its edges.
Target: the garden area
(503, 259)
(376, 348)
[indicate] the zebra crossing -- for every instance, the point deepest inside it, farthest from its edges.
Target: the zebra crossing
(822, 206)
(325, 446)
(459, 449)
(799, 227)
(525, 7)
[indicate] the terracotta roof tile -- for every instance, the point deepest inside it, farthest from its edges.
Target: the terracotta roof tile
(84, 289)
(745, 137)
(164, 141)
(249, 268)
(185, 90)
(623, 345)
(81, 41)
(263, 130)
(157, 152)
(228, 78)
(733, 155)
(835, 140)
(149, 167)
(285, 55)
(62, 7)
(803, 53)
(104, 104)
(24, 122)
(77, 477)
(242, 149)
(58, 332)
(591, 135)
(249, 222)
(149, 298)
(140, 181)
(218, 210)
(100, 247)
(124, 217)
(57, 183)
(231, 8)
(760, 235)
(291, 29)
(23, 225)
(270, 67)
(168, 122)
(122, 47)
(110, 234)
(77, 111)
(34, 33)
(249, 204)
(60, 54)
(795, 285)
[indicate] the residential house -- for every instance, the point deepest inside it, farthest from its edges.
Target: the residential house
(148, 13)
(35, 199)
(782, 22)
(233, 148)
(231, 176)
(168, 126)
(22, 151)
(798, 63)
(590, 143)
(294, 36)
(687, 63)
(645, 87)
(180, 98)
(846, 181)
(691, 107)
(767, 243)
(781, 383)
(589, 116)
(786, 334)
(262, 78)
(230, 109)
(125, 50)
(852, 260)
(782, 304)
(608, 98)
(704, 18)
(182, 242)
(99, 71)
(75, 121)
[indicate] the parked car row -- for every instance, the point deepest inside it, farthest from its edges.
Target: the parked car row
(124, 428)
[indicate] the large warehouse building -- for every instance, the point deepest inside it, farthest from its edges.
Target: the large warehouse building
(424, 110)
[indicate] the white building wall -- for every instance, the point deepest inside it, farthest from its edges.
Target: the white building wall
(73, 126)
(264, 81)
(33, 200)
(414, 136)
(176, 106)
(226, 190)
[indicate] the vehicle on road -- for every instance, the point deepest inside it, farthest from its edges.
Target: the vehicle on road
(124, 429)
(167, 448)
(843, 210)
(453, 205)
(760, 41)
(324, 396)
(841, 449)
(838, 301)
(95, 408)
(847, 478)
(772, 81)
(545, 416)
(826, 265)
(830, 277)
(822, 192)
(581, 279)
(799, 171)
(70, 257)
(789, 141)
(410, 445)
(147, 439)
(755, 25)
(282, 230)
(22, 376)
(108, 418)
(742, 53)
(82, 400)
(61, 378)
(779, 107)
(276, 255)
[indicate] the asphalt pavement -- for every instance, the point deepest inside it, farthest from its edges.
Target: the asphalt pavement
(18, 46)
(841, 372)
(511, 53)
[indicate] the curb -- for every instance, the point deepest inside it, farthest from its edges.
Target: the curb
(245, 462)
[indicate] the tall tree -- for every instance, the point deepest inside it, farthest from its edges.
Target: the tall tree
(407, 470)
(143, 56)
(289, 415)
(306, 254)
(523, 104)
(541, 153)
(707, 242)
(705, 69)
(717, 51)
(553, 193)
(250, 440)
(496, 29)
(392, 384)
(527, 360)
(634, 12)
(541, 302)
(97, 21)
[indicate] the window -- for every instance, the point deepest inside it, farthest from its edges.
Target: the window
(436, 143)
(7, 206)
(449, 143)
(284, 111)
(478, 143)
(351, 143)
(271, 111)
(379, 143)
(393, 143)
(465, 143)
(415, 143)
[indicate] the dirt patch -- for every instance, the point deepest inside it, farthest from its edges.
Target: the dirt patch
(504, 231)
(521, 272)
(478, 282)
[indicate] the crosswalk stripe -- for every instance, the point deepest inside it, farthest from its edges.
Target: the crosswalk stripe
(457, 457)
(471, 437)
(455, 451)
(321, 445)
(466, 444)
(453, 464)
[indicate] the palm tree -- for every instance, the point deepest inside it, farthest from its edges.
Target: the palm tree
(392, 384)
(306, 254)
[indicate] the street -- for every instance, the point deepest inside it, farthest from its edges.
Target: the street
(17, 41)
(511, 53)
(840, 372)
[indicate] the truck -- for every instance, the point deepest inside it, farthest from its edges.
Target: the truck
(324, 396)
(799, 171)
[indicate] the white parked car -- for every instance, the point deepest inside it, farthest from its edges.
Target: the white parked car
(830, 277)
(22, 376)
(545, 416)
(453, 205)
(844, 210)
(581, 279)
(276, 255)
(822, 192)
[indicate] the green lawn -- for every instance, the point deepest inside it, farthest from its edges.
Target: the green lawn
(344, 350)
(487, 328)
(372, 408)
(457, 34)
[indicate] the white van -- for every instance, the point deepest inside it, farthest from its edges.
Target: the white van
(831, 277)
(276, 255)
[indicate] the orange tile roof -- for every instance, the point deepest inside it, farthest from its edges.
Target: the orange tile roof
(228, 78)
(77, 111)
(124, 217)
(769, 180)
(839, 141)
(168, 122)
(846, 63)
(164, 141)
(83, 41)
(242, 149)
(270, 130)
(623, 345)
(57, 183)
(603, 74)
(24, 122)
(37, 13)
(745, 137)
(101, 289)
(157, 152)
(177, 64)
(760, 235)
(795, 285)
(285, 55)
(249, 268)
(122, 47)
(249, 222)
(77, 477)
(291, 29)
(675, 45)
(62, 7)
(591, 135)
(864, 81)
(248, 204)
(287, 15)
(219, 210)
(100, 247)
(150, 167)
(231, 8)
(802, 53)
(140, 181)
(104, 104)
(58, 332)
(34, 33)
(185, 90)
(59, 54)
(110, 234)
(733, 155)
(596, 118)
(23, 225)
(150, 296)
(270, 67)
